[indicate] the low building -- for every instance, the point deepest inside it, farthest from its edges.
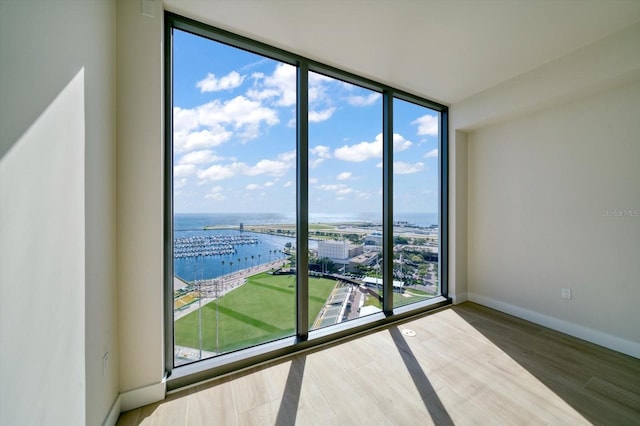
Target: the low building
(338, 251)
(373, 239)
(364, 259)
(398, 286)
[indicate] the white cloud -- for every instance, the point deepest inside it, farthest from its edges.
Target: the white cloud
(347, 86)
(289, 156)
(315, 78)
(237, 112)
(400, 143)
(212, 84)
(216, 193)
(199, 157)
(207, 138)
(252, 186)
(254, 64)
(402, 168)
(280, 86)
(179, 183)
(184, 119)
(366, 150)
(315, 163)
(220, 172)
(318, 87)
(427, 125)
(287, 184)
(268, 184)
(268, 167)
(318, 116)
(360, 152)
(313, 180)
(321, 151)
(184, 170)
(340, 188)
(220, 121)
(363, 100)
(344, 176)
(332, 187)
(432, 154)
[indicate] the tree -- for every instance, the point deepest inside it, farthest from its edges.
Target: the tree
(400, 240)
(252, 256)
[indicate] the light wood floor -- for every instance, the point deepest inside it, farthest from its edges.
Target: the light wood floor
(465, 365)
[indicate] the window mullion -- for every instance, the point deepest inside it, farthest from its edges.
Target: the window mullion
(302, 223)
(387, 202)
(443, 203)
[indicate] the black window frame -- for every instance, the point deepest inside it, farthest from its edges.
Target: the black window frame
(304, 338)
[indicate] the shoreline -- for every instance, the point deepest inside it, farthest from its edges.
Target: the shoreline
(325, 230)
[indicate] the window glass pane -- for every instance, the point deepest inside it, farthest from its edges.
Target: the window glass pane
(234, 198)
(345, 201)
(415, 203)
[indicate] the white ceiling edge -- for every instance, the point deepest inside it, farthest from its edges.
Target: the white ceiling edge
(446, 51)
(613, 61)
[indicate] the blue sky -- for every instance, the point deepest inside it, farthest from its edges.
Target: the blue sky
(234, 138)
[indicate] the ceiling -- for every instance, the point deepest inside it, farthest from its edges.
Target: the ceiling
(442, 50)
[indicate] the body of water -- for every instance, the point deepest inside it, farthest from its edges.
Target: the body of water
(267, 248)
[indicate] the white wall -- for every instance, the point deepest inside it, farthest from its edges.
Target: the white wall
(540, 187)
(458, 151)
(57, 204)
(140, 197)
(547, 153)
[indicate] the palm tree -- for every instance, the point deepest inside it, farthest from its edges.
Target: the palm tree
(259, 259)
(252, 256)
(245, 262)
(231, 267)
(223, 266)
(238, 264)
(270, 255)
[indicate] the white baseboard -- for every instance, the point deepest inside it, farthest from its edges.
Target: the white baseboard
(459, 298)
(142, 396)
(114, 412)
(615, 343)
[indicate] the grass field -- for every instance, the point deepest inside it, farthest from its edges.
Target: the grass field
(259, 311)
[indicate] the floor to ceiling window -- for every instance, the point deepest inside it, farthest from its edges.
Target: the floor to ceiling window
(345, 199)
(300, 199)
(416, 195)
(234, 204)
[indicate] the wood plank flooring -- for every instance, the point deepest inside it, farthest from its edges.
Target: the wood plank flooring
(466, 365)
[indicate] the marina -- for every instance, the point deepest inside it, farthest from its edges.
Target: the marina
(210, 245)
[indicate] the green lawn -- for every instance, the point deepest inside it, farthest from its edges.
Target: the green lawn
(261, 310)
(411, 296)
